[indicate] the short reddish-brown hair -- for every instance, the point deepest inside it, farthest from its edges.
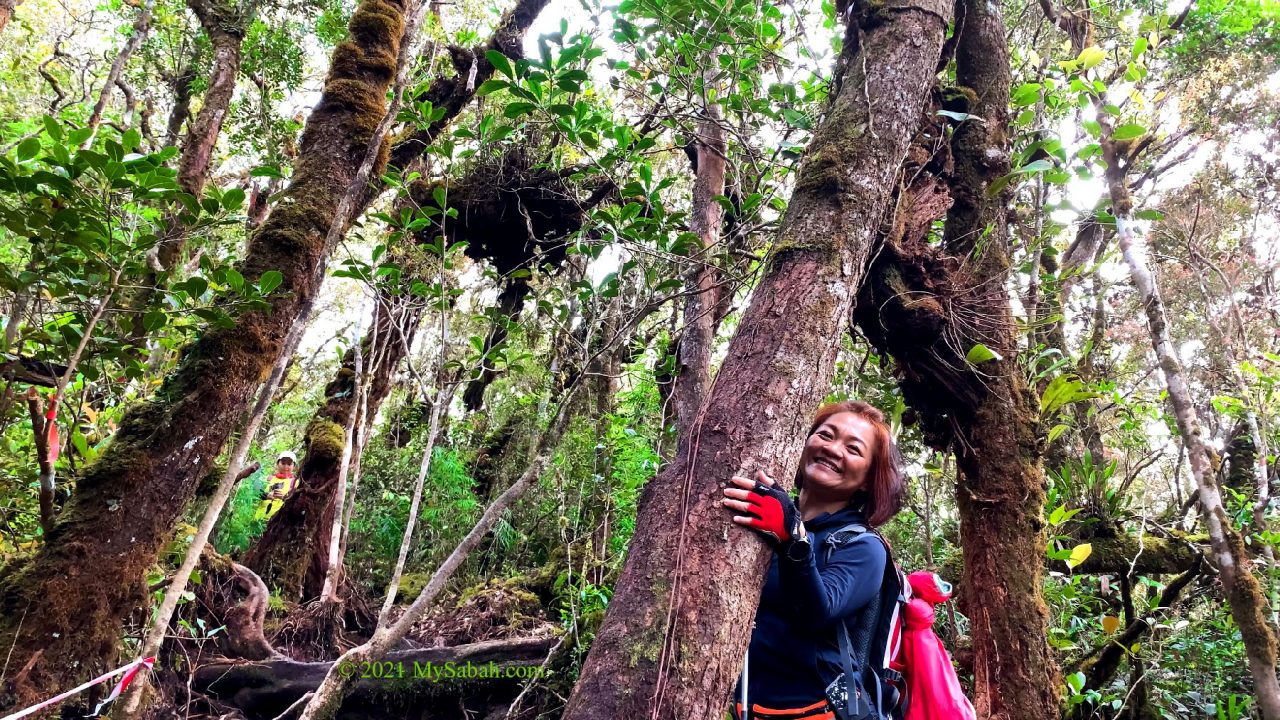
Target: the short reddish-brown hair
(882, 499)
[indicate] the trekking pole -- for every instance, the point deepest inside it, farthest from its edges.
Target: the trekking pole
(746, 709)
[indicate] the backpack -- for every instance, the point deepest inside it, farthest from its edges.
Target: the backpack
(908, 675)
(878, 690)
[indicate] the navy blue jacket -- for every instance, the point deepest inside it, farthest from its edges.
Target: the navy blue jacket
(794, 652)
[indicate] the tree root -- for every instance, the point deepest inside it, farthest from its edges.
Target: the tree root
(225, 581)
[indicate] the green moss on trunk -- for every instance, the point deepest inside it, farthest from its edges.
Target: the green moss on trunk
(62, 612)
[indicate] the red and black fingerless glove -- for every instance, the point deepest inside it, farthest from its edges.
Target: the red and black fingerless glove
(773, 513)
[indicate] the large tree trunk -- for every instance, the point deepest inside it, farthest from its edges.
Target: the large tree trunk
(292, 554)
(70, 598)
(678, 624)
(928, 308)
(1001, 489)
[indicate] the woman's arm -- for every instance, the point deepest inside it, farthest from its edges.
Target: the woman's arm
(851, 578)
(847, 583)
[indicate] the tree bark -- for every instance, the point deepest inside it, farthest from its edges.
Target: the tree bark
(1126, 554)
(235, 472)
(180, 84)
(928, 307)
(697, 338)
(1001, 488)
(673, 640)
(88, 577)
(225, 25)
(6, 11)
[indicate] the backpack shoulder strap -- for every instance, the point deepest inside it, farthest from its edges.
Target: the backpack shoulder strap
(842, 537)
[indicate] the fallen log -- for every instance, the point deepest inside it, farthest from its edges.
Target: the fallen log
(32, 372)
(446, 682)
(1151, 556)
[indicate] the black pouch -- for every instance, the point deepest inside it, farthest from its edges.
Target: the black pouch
(848, 703)
(846, 694)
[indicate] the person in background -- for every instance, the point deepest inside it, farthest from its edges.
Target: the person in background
(277, 487)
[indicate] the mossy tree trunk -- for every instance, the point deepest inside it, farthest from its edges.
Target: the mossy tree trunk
(1001, 488)
(673, 640)
(987, 414)
(61, 612)
(292, 554)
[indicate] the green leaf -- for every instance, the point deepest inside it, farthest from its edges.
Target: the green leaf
(235, 279)
(154, 320)
(233, 199)
(1057, 431)
(28, 148)
(1149, 214)
(980, 353)
(52, 127)
(1026, 94)
(1139, 47)
(491, 86)
(1063, 390)
(1091, 56)
(1076, 682)
(81, 445)
(1079, 554)
(269, 281)
(195, 286)
(795, 118)
(516, 109)
(1036, 166)
(500, 63)
(266, 171)
(1093, 127)
(1128, 131)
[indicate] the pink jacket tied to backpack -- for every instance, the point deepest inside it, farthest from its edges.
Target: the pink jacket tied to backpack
(933, 688)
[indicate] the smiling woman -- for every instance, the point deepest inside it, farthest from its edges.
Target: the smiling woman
(850, 482)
